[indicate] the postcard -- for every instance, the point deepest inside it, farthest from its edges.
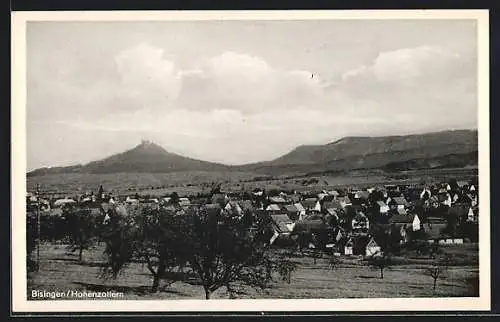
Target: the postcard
(250, 161)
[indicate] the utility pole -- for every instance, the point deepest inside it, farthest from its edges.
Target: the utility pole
(38, 227)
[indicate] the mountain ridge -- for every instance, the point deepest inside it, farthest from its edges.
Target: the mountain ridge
(348, 153)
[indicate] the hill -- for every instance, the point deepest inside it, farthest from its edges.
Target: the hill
(388, 152)
(391, 153)
(146, 157)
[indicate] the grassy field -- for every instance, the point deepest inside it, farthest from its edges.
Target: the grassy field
(192, 183)
(352, 278)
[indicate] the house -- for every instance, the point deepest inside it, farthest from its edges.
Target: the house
(44, 205)
(344, 201)
(407, 221)
(311, 204)
(425, 194)
(402, 211)
(301, 210)
(313, 223)
(257, 192)
(282, 225)
(63, 202)
(362, 195)
(184, 201)
(334, 193)
(462, 184)
(233, 207)
(383, 208)
(372, 248)
(434, 228)
(444, 198)
(322, 195)
(349, 247)
(397, 202)
(277, 200)
(273, 208)
(473, 199)
(292, 212)
(360, 223)
(327, 198)
(391, 187)
(472, 214)
(358, 246)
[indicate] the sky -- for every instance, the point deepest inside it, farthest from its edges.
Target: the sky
(238, 92)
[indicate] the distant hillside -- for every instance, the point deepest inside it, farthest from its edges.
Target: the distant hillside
(445, 161)
(372, 152)
(145, 157)
(391, 153)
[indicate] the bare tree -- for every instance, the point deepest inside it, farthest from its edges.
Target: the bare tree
(381, 262)
(436, 272)
(317, 254)
(333, 262)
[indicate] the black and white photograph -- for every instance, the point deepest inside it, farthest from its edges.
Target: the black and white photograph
(166, 159)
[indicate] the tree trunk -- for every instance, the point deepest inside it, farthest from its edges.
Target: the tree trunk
(207, 294)
(382, 273)
(435, 284)
(157, 277)
(156, 283)
(80, 253)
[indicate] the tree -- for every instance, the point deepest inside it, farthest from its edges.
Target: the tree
(174, 198)
(333, 262)
(221, 251)
(31, 232)
(285, 268)
(375, 196)
(82, 228)
(452, 221)
(156, 243)
(118, 235)
(150, 236)
(381, 262)
(100, 193)
(436, 271)
(317, 253)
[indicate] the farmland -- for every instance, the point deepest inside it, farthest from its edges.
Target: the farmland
(351, 278)
(191, 183)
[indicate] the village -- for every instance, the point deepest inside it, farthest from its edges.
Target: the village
(345, 221)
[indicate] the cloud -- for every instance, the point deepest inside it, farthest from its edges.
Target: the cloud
(148, 76)
(236, 107)
(421, 67)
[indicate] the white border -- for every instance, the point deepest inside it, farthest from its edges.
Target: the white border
(18, 170)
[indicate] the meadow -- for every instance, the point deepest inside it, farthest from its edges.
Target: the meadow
(350, 278)
(192, 183)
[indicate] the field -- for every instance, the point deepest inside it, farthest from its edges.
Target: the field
(192, 183)
(351, 278)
